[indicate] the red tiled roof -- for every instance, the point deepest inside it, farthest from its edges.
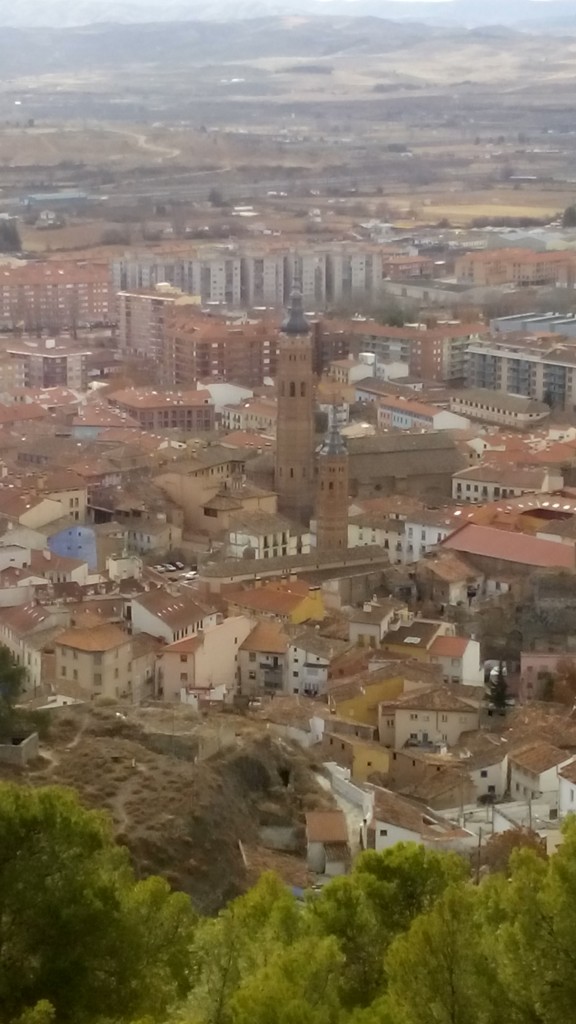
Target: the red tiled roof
(488, 542)
(326, 827)
(449, 646)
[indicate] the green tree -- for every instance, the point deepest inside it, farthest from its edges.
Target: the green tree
(298, 986)
(533, 927)
(498, 689)
(439, 971)
(243, 939)
(77, 932)
(12, 679)
(378, 901)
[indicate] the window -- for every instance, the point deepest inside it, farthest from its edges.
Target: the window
(413, 718)
(292, 389)
(183, 658)
(251, 675)
(183, 677)
(483, 774)
(252, 656)
(383, 831)
(444, 718)
(63, 670)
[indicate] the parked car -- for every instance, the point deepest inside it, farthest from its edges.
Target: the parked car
(191, 575)
(179, 566)
(168, 567)
(159, 568)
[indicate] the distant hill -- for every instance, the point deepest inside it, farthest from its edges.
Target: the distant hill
(39, 51)
(530, 14)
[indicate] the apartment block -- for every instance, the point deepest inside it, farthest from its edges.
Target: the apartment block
(51, 362)
(198, 347)
(543, 368)
(142, 318)
(438, 353)
(250, 275)
(212, 274)
(520, 267)
(166, 410)
(55, 295)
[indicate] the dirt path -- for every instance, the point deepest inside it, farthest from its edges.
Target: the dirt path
(144, 143)
(79, 734)
(118, 805)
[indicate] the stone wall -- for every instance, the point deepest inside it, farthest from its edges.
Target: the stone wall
(20, 750)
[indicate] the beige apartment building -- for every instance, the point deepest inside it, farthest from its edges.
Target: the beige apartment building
(95, 661)
(51, 362)
(433, 718)
(205, 664)
(142, 318)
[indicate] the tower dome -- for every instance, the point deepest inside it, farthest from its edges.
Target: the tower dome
(295, 323)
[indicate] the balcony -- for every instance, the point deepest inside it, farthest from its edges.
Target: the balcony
(272, 678)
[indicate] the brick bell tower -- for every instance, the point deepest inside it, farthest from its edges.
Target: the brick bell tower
(294, 469)
(332, 491)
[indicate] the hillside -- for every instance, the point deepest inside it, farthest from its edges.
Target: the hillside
(86, 51)
(183, 795)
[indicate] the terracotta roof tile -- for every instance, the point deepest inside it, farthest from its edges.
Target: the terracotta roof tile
(268, 638)
(488, 542)
(449, 646)
(538, 757)
(441, 698)
(99, 638)
(326, 827)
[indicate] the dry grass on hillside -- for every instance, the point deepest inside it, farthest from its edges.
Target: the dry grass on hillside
(179, 818)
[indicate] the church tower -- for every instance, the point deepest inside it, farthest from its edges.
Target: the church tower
(332, 491)
(294, 470)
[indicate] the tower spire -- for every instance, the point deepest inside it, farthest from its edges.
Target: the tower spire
(295, 323)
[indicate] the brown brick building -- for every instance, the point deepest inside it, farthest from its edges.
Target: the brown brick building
(166, 410)
(332, 493)
(55, 295)
(200, 347)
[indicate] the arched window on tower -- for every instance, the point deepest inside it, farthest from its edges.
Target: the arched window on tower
(302, 389)
(282, 389)
(292, 389)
